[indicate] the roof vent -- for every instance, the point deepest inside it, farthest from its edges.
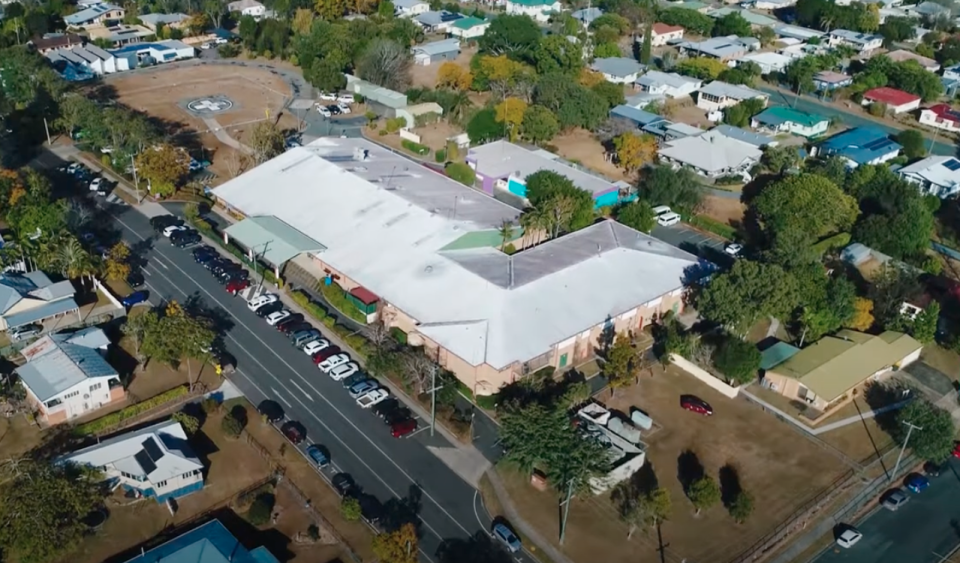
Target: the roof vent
(428, 268)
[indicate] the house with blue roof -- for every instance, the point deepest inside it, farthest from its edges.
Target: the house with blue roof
(148, 54)
(209, 543)
(861, 145)
(638, 117)
(31, 297)
(67, 375)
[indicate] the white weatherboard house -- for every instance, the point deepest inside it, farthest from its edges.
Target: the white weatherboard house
(410, 8)
(619, 70)
(32, 297)
(671, 85)
(92, 57)
(66, 375)
(247, 8)
(720, 95)
(862, 42)
(153, 462)
(539, 10)
(935, 175)
(712, 154)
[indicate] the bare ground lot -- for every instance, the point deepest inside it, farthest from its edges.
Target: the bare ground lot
(425, 76)
(581, 146)
(725, 210)
(774, 463)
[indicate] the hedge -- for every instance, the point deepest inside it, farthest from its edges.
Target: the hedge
(714, 226)
(315, 309)
(337, 298)
(440, 156)
(461, 173)
(415, 148)
(103, 423)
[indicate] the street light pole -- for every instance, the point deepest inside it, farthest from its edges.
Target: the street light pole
(904, 446)
(263, 272)
(136, 180)
(566, 511)
(45, 127)
(433, 398)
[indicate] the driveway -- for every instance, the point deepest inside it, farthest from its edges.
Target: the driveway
(922, 531)
(693, 241)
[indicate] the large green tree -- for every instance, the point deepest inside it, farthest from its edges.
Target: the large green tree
(680, 189)
(556, 53)
(737, 359)
(512, 35)
(807, 203)
(933, 439)
(731, 24)
(745, 294)
(539, 125)
(546, 187)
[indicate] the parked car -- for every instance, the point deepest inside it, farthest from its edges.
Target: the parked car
(696, 404)
(220, 41)
(161, 222)
(344, 484)
(733, 249)
(344, 370)
(230, 275)
(292, 319)
(301, 338)
(344, 108)
(345, 98)
(322, 110)
(328, 97)
(398, 414)
(332, 362)
(505, 535)
(235, 286)
(261, 300)
(916, 483)
(668, 219)
(386, 407)
(206, 46)
(277, 316)
(956, 450)
(318, 456)
(134, 298)
(894, 499)
(402, 427)
(334, 109)
(848, 537)
(225, 268)
(363, 387)
(74, 167)
(97, 184)
(184, 239)
(315, 346)
(353, 380)
(322, 355)
(294, 431)
(269, 309)
(372, 397)
(135, 279)
(933, 469)
(168, 232)
(295, 326)
(271, 410)
(25, 331)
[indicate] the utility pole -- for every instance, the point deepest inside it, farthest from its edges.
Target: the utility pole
(433, 397)
(45, 127)
(136, 180)
(263, 272)
(904, 447)
(566, 510)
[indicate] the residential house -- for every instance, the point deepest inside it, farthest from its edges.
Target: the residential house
(173, 21)
(121, 34)
(410, 8)
(83, 4)
(671, 85)
(941, 116)
(207, 543)
(661, 34)
(638, 117)
(428, 252)
(828, 81)
(586, 15)
(146, 54)
(901, 55)
(700, 7)
(666, 131)
(98, 61)
(505, 166)
(897, 101)
(935, 175)
(32, 298)
(755, 20)
(66, 375)
(744, 136)
(96, 14)
(769, 63)
(469, 28)
(712, 154)
(723, 48)
(781, 119)
(54, 41)
(248, 8)
(719, 95)
(861, 145)
(437, 22)
(952, 72)
(436, 51)
(539, 10)
(829, 372)
(154, 462)
(797, 32)
(618, 70)
(927, 10)
(863, 42)
(621, 441)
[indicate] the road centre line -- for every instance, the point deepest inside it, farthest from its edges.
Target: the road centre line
(307, 395)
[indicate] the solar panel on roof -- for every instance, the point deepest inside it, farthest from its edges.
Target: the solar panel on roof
(145, 462)
(449, 17)
(875, 144)
(153, 450)
(952, 164)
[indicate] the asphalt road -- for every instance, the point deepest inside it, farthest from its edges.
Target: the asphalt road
(924, 530)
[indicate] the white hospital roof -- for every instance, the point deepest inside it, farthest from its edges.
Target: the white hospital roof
(384, 222)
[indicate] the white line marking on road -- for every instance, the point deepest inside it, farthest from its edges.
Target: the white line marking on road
(417, 431)
(250, 381)
(279, 396)
(386, 456)
(160, 263)
(294, 383)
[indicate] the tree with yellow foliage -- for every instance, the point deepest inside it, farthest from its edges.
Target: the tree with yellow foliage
(501, 73)
(164, 166)
(302, 21)
(590, 78)
(862, 314)
(454, 77)
(397, 547)
(330, 9)
(633, 151)
(510, 112)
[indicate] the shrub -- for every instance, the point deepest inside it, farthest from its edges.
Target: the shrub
(313, 532)
(510, 249)
(440, 156)
(231, 426)
(714, 226)
(210, 405)
(415, 148)
(329, 322)
(398, 335)
(461, 173)
(261, 510)
(189, 423)
(738, 359)
(488, 402)
(228, 51)
(350, 509)
(107, 422)
(382, 133)
(337, 298)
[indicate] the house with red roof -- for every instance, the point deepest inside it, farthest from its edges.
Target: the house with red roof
(897, 101)
(941, 116)
(662, 33)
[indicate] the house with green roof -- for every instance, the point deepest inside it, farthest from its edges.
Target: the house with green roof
(469, 28)
(539, 10)
(831, 372)
(782, 119)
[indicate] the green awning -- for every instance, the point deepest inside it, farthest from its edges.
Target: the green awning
(271, 239)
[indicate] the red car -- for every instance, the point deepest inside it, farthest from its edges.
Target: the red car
(956, 450)
(403, 427)
(696, 404)
(236, 286)
(325, 353)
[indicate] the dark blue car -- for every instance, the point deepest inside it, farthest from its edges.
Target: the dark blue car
(134, 298)
(317, 455)
(916, 482)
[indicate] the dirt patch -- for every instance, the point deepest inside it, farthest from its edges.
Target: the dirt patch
(687, 112)
(579, 145)
(861, 440)
(726, 210)
(781, 469)
(18, 435)
(435, 135)
(942, 359)
(426, 76)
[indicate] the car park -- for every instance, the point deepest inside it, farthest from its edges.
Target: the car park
(323, 355)
(134, 298)
(353, 380)
(363, 387)
(322, 110)
(403, 427)
(332, 362)
(294, 327)
(894, 499)
(696, 404)
(235, 286)
(503, 534)
(315, 346)
(269, 309)
(25, 331)
(277, 316)
(260, 301)
(916, 483)
(372, 397)
(318, 456)
(344, 370)
(184, 239)
(848, 537)
(294, 431)
(301, 338)
(271, 410)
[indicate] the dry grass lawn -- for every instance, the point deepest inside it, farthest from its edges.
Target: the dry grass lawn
(581, 146)
(18, 435)
(426, 76)
(780, 468)
(860, 440)
(725, 210)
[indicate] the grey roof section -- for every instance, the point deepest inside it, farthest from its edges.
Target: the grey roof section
(617, 66)
(855, 36)
(748, 137)
(512, 272)
(44, 311)
(91, 13)
(500, 159)
(54, 292)
(438, 47)
(37, 285)
(719, 46)
(54, 365)
(587, 15)
(154, 19)
(437, 18)
(90, 337)
(275, 240)
(735, 91)
(408, 3)
(655, 78)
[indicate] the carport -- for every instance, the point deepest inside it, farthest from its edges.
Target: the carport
(270, 241)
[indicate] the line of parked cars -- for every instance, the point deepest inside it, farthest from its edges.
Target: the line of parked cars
(341, 103)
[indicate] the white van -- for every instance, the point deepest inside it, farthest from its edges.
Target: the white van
(660, 210)
(668, 219)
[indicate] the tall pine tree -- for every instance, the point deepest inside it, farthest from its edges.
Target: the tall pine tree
(646, 47)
